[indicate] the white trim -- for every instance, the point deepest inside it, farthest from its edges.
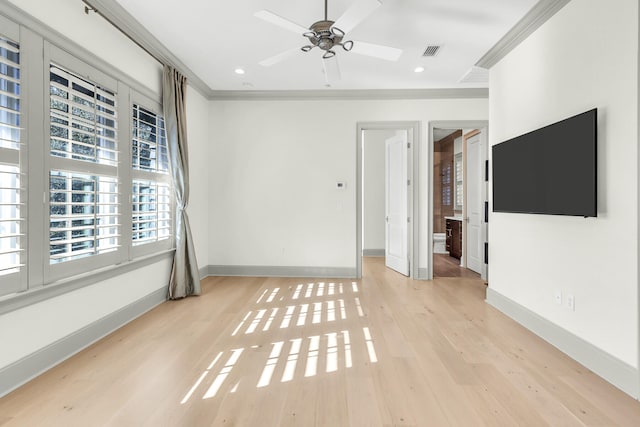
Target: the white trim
(445, 124)
(29, 367)
(615, 371)
(538, 15)
(9, 29)
(278, 271)
(333, 94)
(373, 252)
(413, 130)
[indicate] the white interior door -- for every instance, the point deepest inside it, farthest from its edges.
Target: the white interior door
(396, 193)
(475, 195)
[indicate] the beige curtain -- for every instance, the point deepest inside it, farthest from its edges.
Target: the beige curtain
(184, 280)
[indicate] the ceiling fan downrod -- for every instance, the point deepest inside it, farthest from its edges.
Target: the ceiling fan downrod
(325, 36)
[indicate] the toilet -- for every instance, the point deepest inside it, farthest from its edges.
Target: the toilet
(439, 243)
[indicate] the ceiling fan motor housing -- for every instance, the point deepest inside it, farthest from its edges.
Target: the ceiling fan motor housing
(321, 35)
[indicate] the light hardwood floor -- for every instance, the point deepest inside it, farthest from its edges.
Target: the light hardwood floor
(381, 351)
(448, 266)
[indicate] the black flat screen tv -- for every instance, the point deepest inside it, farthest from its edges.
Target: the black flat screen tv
(552, 170)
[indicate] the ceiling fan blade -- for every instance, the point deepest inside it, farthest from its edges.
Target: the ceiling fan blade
(356, 14)
(272, 18)
(279, 57)
(376, 50)
(331, 70)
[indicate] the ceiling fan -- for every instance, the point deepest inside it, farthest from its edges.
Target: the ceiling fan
(328, 35)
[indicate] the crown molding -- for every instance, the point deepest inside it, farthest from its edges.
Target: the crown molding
(333, 94)
(538, 15)
(122, 20)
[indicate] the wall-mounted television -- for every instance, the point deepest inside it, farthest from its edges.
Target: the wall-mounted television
(552, 170)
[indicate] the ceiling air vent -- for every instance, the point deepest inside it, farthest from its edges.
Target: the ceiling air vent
(432, 50)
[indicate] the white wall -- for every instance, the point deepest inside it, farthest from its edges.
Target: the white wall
(586, 56)
(198, 141)
(373, 172)
(274, 165)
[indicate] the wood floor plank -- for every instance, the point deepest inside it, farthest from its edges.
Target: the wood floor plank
(381, 351)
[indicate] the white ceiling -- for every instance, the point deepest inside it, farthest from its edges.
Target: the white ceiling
(214, 37)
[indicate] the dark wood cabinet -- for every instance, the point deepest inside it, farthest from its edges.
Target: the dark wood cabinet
(454, 238)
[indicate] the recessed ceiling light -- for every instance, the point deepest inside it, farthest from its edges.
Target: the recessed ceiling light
(418, 69)
(239, 71)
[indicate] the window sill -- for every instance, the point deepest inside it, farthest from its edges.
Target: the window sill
(20, 300)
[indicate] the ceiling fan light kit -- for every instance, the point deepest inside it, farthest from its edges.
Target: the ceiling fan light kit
(327, 35)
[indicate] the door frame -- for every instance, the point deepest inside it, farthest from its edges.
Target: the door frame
(413, 157)
(442, 124)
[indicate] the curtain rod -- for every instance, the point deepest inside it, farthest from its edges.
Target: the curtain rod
(89, 7)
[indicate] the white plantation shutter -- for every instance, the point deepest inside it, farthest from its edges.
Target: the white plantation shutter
(151, 186)
(83, 119)
(12, 193)
(84, 210)
(149, 142)
(446, 185)
(83, 215)
(459, 182)
(151, 212)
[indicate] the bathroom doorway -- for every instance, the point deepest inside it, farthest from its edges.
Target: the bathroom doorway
(458, 183)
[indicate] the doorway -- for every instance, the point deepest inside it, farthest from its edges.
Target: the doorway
(458, 193)
(377, 144)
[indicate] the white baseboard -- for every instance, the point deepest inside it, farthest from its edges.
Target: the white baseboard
(615, 371)
(281, 271)
(373, 252)
(29, 367)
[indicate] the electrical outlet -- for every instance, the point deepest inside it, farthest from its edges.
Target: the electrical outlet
(558, 297)
(571, 302)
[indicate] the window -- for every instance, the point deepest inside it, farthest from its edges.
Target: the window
(83, 207)
(458, 182)
(12, 242)
(151, 195)
(93, 185)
